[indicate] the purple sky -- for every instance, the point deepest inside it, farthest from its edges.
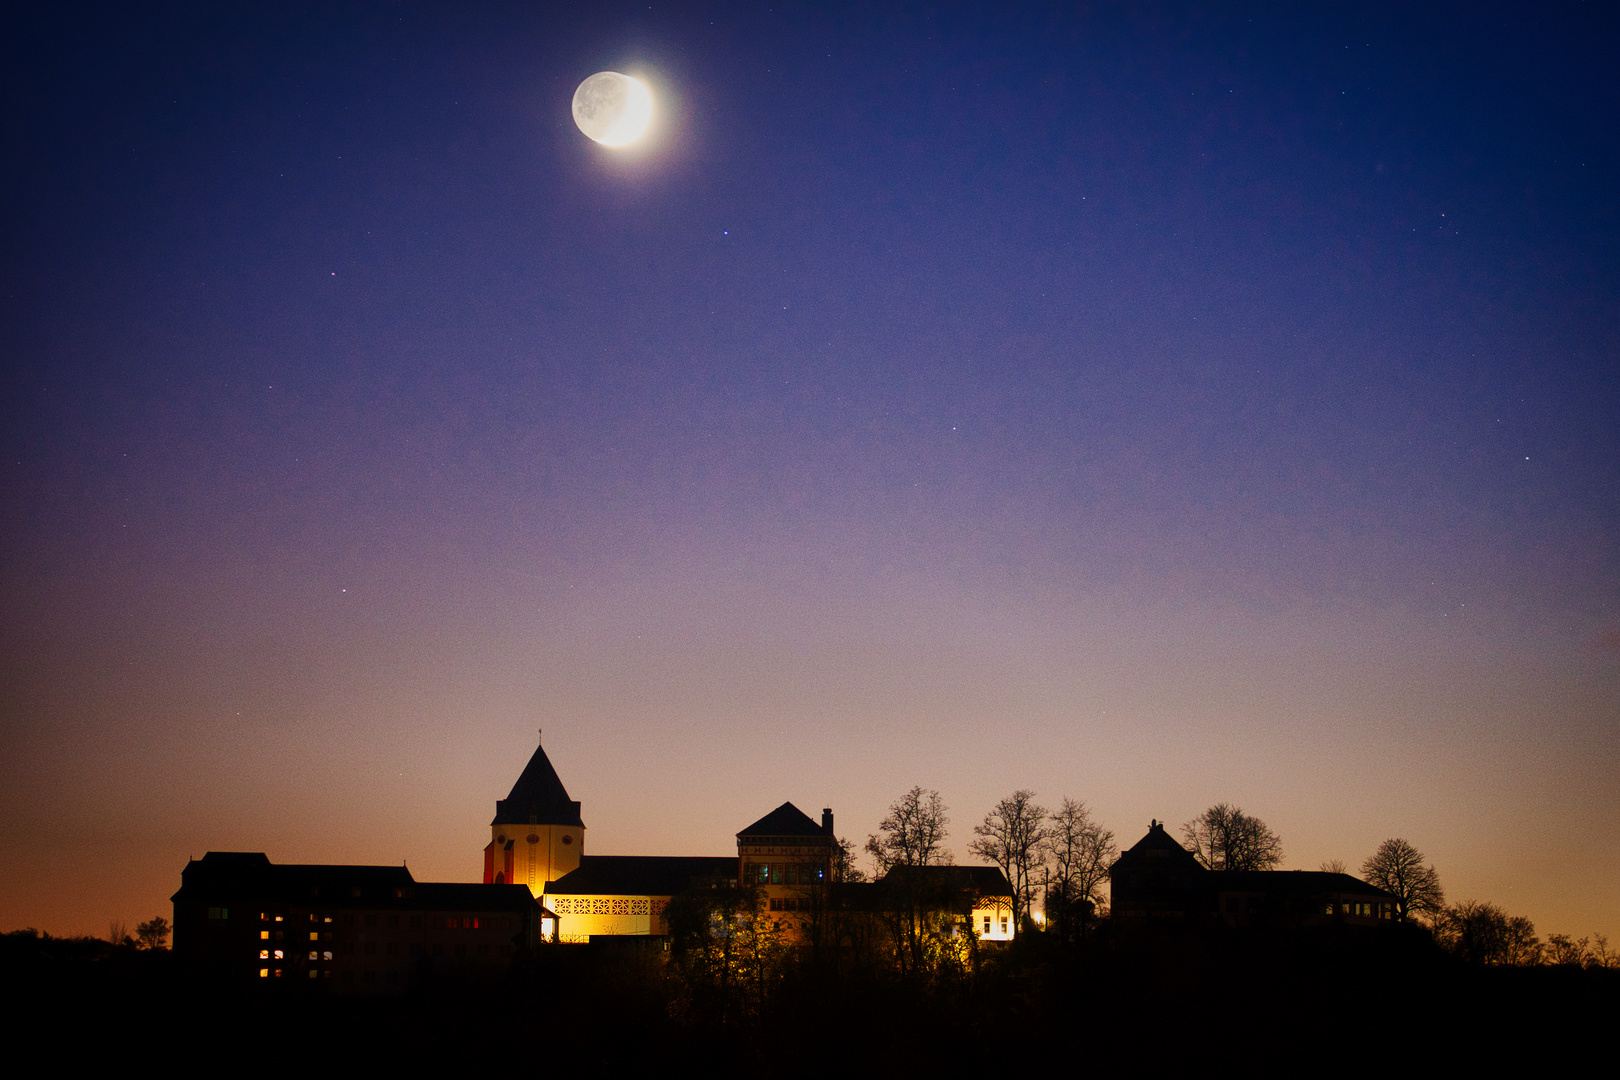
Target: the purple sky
(1211, 404)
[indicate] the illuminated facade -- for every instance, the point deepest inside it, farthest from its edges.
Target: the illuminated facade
(625, 895)
(785, 855)
(538, 840)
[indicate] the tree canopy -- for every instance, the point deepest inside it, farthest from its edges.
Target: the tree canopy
(1225, 838)
(913, 834)
(1012, 835)
(1080, 851)
(1397, 867)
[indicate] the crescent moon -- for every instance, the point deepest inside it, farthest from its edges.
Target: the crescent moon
(613, 109)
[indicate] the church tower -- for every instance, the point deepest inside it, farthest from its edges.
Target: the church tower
(537, 835)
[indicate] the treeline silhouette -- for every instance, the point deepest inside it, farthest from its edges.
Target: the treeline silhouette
(1169, 1001)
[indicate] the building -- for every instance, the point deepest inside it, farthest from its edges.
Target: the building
(625, 895)
(789, 859)
(1158, 884)
(976, 898)
(239, 918)
(537, 835)
(538, 840)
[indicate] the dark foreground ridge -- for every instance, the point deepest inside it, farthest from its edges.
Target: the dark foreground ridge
(1329, 1000)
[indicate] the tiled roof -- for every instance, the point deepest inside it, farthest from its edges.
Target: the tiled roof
(785, 820)
(538, 797)
(1159, 846)
(1294, 882)
(242, 876)
(641, 875)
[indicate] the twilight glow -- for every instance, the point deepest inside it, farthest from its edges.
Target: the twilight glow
(1212, 404)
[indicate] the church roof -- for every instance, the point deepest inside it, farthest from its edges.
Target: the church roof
(785, 820)
(538, 797)
(642, 875)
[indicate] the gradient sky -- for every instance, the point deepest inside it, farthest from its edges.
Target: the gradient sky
(1158, 407)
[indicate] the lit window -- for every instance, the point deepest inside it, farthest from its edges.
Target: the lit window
(278, 918)
(279, 955)
(314, 955)
(264, 973)
(264, 935)
(264, 954)
(314, 974)
(314, 935)
(327, 955)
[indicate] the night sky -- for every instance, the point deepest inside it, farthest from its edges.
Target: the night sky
(1150, 405)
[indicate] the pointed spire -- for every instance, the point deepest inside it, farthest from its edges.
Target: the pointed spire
(538, 797)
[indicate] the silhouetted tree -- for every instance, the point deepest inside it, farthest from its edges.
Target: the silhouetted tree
(913, 834)
(1013, 836)
(1397, 867)
(1567, 951)
(1225, 838)
(1602, 955)
(1081, 851)
(1334, 866)
(1482, 933)
(843, 862)
(153, 934)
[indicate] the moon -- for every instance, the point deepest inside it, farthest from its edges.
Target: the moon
(613, 109)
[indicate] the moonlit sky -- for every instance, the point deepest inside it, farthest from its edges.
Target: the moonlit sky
(1216, 403)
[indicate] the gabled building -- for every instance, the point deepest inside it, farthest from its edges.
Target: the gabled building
(538, 840)
(240, 918)
(1158, 884)
(785, 855)
(789, 858)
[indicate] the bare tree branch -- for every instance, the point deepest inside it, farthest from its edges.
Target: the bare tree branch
(1012, 836)
(1225, 838)
(1397, 867)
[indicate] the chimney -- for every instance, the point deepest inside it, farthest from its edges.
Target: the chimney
(827, 820)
